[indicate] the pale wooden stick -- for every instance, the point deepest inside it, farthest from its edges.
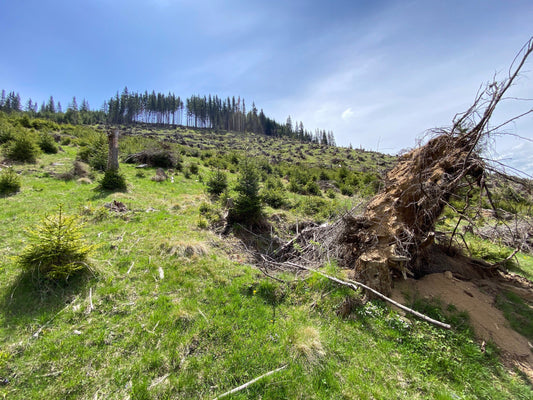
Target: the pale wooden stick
(355, 285)
(203, 315)
(91, 300)
(131, 266)
(158, 381)
(249, 383)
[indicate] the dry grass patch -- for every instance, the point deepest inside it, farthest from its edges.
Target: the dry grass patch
(306, 345)
(187, 249)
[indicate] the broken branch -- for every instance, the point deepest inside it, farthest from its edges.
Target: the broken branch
(237, 389)
(356, 285)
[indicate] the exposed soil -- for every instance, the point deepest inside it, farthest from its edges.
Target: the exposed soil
(477, 297)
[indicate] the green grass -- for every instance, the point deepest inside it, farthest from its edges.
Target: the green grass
(173, 311)
(525, 265)
(518, 312)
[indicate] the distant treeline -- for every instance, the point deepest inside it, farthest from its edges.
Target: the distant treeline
(158, 108)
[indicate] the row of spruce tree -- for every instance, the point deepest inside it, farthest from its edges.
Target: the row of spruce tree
(158, 108)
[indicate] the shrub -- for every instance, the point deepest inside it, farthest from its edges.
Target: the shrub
(209, 212)
(347, 190)
(95, 152)
(9, 182)
(295, 187)
(113, 180)
(323, 176)
(234, 158)
(342, 174)
(275, 198)
(47, 144)
(202, 223)
(56, 248)
(368, 183)
(193, 168)
(204, 208)
(41, 124)
(274, 193)
(22, 148)
(318, 208)
(25, 121)
(217, 182)
(313, 188)
(7, 132)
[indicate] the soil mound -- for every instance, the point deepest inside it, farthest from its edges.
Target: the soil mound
(488, 322)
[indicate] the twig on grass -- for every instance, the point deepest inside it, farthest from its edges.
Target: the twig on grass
(153, 330)
(203, 315)
(131, 266)
(158, 381)
(237, 389)
(91, 307)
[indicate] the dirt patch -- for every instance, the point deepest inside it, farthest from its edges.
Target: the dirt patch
(488, 322)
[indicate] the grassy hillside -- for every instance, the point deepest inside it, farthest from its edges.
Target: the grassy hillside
(170, 309)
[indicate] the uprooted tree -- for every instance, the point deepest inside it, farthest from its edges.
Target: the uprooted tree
(395, 232)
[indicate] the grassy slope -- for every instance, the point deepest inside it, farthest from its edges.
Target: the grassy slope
(208, 322)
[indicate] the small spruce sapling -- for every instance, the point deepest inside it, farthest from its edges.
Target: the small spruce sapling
(56, 248)
(9, 182)
(248, 207)
(217, 182)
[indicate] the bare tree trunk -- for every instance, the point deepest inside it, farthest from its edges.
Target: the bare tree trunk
(112, 156)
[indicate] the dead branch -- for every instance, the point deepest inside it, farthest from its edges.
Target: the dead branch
(356, 285)
(237, 389)
(502, 262)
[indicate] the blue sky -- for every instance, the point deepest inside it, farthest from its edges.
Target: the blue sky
(378, 73)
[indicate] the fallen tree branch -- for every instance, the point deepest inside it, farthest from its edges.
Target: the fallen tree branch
(502, 262)
(237, 389)
(356, 285)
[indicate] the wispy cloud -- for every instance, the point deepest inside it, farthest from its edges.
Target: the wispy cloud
(376, 73)
(347, 114)
(517, 155)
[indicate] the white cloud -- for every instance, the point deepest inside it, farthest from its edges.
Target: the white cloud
(347, 114)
